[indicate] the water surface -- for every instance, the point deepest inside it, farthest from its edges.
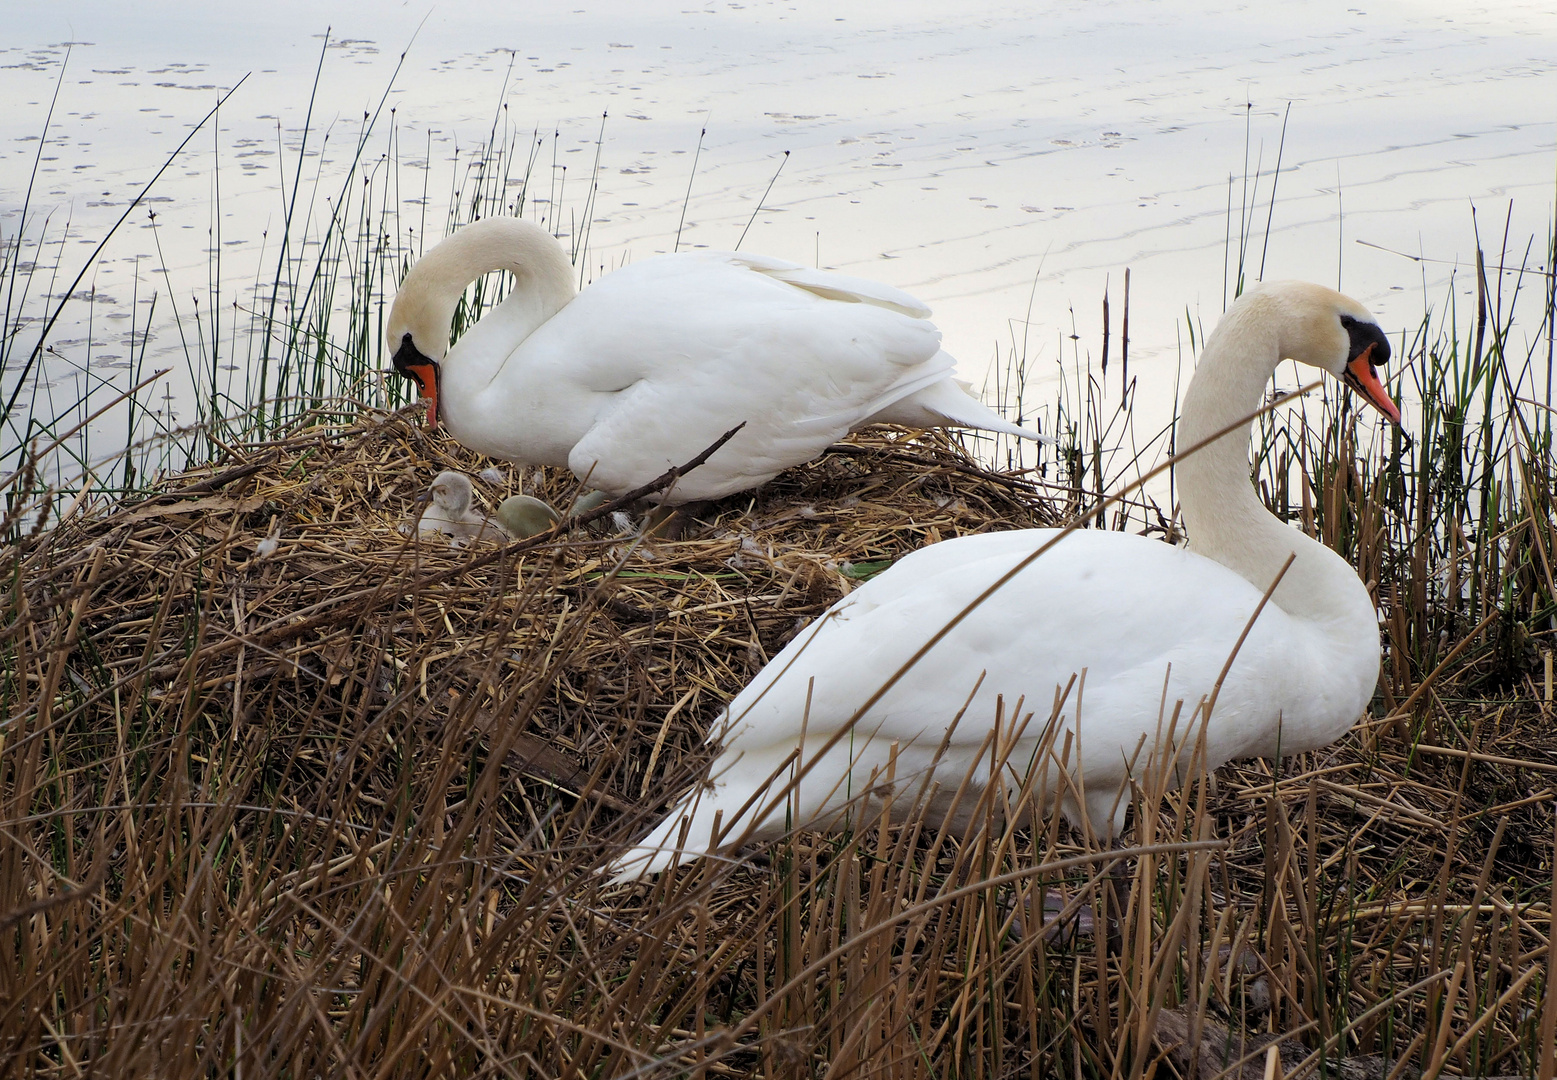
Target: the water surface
(994, 160)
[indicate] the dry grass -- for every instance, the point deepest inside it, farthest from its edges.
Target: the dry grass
(337, 810)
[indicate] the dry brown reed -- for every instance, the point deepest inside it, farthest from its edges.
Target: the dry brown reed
(338, 808)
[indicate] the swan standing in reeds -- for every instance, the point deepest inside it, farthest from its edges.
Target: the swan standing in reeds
(649, 365)
(1137, 624)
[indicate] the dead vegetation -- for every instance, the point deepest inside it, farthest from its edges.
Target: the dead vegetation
(286, 792)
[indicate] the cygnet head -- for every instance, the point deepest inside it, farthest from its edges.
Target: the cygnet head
(452, 493)
(524, 517)
(1328, 330)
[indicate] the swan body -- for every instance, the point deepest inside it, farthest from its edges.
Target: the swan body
(449, 514)
(649, 365)
(1137, 624)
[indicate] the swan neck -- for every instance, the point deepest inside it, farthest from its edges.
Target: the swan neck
(543, 277)
(1223, 516)
(1227, 388)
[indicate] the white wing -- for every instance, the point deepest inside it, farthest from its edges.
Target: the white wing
(652, 363)
(1174, 619)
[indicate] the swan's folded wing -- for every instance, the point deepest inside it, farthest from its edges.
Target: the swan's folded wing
(650, 427)
(708, 349)
(1025, 643)
(658, 422)
(828, 285)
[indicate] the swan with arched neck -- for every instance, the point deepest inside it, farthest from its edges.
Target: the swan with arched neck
(1112, 627)
(646, 367)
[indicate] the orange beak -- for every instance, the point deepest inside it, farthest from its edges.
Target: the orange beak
(426, 378)
(1363, 377)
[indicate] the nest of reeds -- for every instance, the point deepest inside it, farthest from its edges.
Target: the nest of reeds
(287, 583)
(293, 788)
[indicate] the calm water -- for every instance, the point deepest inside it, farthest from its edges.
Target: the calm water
(992, 160)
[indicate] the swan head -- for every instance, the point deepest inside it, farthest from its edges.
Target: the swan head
(1333, 332)
(418, 340)
(450, 492)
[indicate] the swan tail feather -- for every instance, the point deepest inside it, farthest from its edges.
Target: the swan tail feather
(664, 848)
(949, 402)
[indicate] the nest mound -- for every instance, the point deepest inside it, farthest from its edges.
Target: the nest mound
(285, 594)
(281, 598)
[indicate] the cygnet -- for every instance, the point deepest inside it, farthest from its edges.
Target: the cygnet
(449, 512)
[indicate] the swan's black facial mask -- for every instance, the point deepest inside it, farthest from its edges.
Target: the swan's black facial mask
(421, 370)
(1369, 348)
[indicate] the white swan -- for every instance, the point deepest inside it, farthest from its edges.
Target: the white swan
(649, 365)
(449, 512)
(1139, 623)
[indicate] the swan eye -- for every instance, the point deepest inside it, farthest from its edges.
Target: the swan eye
(1346, 321)
(406, 337)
